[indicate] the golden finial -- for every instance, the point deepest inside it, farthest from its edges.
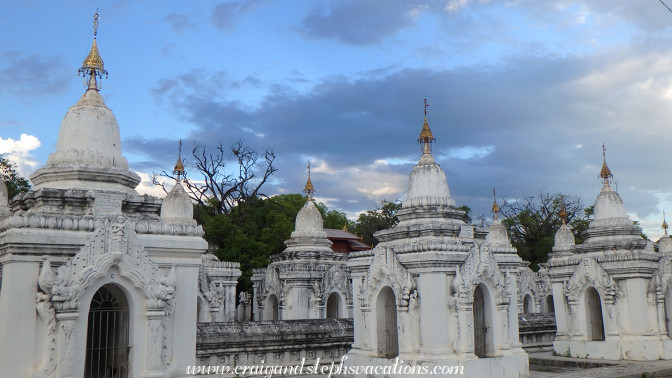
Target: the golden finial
(426, 137)
(605, 173)
(495, 206)
(562, 214)
(93, 64)
(179, 166)
(308, 189)
(664, 226)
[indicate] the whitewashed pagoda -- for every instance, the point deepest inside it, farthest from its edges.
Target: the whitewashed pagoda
(308, 280)
(436, 292)
(612, 292)
(95, 283)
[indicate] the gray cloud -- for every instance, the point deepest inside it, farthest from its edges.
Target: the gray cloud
(179, 22)
(359, 22)
(542, 119)
(32, 76)
(226, 15)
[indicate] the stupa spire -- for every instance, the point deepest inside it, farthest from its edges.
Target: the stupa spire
(179, 171)
(562, 214)
(93, 64)
(309, 189)
(605, 173)
(426, 137)
(495, 206)
(664, 226)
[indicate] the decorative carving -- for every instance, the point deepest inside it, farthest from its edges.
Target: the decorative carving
(318, 290)
(589, 272)
(338, 279)
(45, 310)
(113, 243)
(385, 269)
(480, 267)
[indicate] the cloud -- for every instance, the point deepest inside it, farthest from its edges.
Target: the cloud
(146, 186)
(532, 121)
(360, 22)
(226, 15)
(18, 152)
(179, 22)
(32, 76)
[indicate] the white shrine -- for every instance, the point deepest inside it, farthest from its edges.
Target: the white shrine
(612, 293)
(94, 282)
(308, 280)
(436, 292)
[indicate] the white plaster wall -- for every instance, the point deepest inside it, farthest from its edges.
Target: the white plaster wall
(435, 317)
(18, 318)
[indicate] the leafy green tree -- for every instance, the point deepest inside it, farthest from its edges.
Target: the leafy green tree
(532, 222)
(467, 210)
(375, 220)
(250, 232)
(15, 182)
(334, 219)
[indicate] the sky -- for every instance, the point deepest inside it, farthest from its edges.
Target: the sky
(522, 93)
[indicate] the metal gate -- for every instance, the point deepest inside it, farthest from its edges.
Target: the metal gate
(107, 346)
(480, 328)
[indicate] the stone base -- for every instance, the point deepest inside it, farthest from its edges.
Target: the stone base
(514, 364)
(634, 349)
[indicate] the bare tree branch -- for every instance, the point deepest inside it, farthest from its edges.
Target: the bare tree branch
(225, 177)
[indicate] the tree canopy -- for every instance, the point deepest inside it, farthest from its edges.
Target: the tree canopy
(533, 220)
(15, 182)
(375, 220)
(256, 228)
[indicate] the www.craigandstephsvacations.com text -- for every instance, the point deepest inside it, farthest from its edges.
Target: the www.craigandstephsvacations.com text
(328, 370)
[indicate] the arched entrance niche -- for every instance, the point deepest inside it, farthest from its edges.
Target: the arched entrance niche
(386, 323)
(668, 311)
(594, 322)
(550, 306)
(483, 330)
(333, 306)
(107, 338)
(528, 304)
(271, 308)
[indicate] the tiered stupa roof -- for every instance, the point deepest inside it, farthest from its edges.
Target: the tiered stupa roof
(88, 150)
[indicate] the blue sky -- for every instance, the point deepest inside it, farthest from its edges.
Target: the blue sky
(522, 93)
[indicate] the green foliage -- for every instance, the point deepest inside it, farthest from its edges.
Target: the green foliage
(334, 219)
(532, 222)
(375, 220)
(15, 183)
(250, 232)
(467, 210)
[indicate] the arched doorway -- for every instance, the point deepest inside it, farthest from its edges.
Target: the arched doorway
(484, 344)
(386, 327)
(333, 302)
(107, 341)
(271, 310)
(480, 327)
(528, 304)
(595, 325)
(668, 311)
(550, 307)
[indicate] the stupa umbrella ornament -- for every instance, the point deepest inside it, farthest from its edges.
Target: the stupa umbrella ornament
(93, 65)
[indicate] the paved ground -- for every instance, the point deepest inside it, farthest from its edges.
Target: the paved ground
(546, 365)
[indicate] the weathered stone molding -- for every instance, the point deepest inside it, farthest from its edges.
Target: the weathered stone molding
(113, 244)
(387, 270)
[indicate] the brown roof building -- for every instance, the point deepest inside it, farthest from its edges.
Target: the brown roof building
(344, 241)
